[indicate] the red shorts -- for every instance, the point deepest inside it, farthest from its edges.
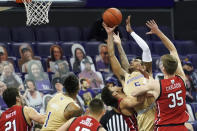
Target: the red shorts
(171, 128)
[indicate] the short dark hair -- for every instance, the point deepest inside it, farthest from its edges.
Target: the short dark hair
(28, 80)
(96, 106)
(82, 80)
(170, 63)
(71, 83)
(107, 97)
(9, 96)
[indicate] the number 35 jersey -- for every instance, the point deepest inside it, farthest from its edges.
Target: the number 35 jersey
(13, 120)
(171, 104)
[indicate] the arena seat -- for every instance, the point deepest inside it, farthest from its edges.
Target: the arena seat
(15, 48)
(91, 48)
(70, 34)
(86, 33)
(159, 48)
(134, 47)
(123, 33)
(22, 34)
(43, 48)
(66, 47)
(127, 46)
(186, 47)
(7, 46)
(166, 30)
(194, 60)
(46, 34)
(5, 34)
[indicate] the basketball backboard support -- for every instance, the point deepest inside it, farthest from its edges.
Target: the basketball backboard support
(61, 3)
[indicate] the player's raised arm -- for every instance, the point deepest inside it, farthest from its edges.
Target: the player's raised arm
(146, 54)
(31, 114)
(168, 44)
(116, 67)
(151, 87)
(72, 110)
(123, 58)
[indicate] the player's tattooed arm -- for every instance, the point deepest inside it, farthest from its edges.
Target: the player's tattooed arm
(123, 57)
(116, 67)
(72, 110)
(168, 44)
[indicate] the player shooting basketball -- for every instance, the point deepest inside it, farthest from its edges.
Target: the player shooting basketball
(135, 76)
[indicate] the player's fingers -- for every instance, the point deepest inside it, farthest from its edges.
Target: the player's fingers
(148, 33)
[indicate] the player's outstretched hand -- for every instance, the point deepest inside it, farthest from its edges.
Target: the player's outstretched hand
(128, 24)
(108, 29)
(153, 26)
(117, 39)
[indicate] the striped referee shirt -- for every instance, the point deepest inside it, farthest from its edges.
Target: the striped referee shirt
(113, 121)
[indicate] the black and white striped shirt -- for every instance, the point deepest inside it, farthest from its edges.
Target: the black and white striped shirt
(113, 121)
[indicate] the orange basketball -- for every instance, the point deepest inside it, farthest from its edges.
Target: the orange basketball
(112, 17)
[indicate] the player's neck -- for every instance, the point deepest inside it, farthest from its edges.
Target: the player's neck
(72, 96)
(166, 76)
(95, 117)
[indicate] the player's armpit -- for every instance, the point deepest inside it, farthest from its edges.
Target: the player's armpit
(72, 110)
(34, 115)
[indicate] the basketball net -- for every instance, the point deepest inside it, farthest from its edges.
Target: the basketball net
(37, 12)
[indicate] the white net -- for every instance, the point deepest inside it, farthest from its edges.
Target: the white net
(37, 12)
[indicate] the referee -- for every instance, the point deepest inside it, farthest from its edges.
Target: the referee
(114, 121)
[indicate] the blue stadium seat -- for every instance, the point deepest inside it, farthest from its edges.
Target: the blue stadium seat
(154, 59)
(86, 33)
(194, 109)
(6, 45)
(91, 48)
(70, 34)
(15, 48)
(46, 34)
(135, 49)
(186, 47)
(159, 48)
(23, 34)
(66, 47)
(127, 46)
(194, 60)
(123, 33)
(43, 48)
(5, 34)
(166, 30)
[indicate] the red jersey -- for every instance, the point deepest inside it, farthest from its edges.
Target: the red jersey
(13, 120)
(171, 104)
(130, 120)
(84, 123)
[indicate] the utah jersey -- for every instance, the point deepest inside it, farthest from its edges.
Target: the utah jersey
(171, 104)
(84, 123)
(55, 112)
(130, 120)
(13, 120)
(145, 111)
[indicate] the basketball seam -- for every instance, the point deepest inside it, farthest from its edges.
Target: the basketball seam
(114, 15)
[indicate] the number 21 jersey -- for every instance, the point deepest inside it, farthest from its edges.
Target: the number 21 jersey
(13, 120)
(171, 104)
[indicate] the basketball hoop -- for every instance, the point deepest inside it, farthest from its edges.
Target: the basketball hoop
(37, 11)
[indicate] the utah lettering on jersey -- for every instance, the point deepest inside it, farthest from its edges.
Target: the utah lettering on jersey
(10, 114)
(87, 122)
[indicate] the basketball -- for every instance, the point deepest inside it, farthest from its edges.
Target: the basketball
(112, 17)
